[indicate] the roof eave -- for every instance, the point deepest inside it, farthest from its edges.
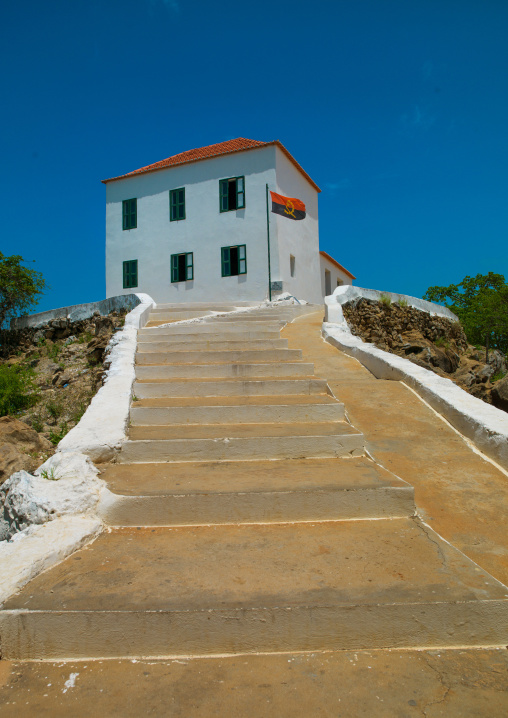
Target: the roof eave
(277, 143)
(339, 266)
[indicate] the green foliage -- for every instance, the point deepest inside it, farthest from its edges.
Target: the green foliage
(37, 423)
(20, 288)
(53, 351)
(481, 304)
(17, 388)
(54, 408)
(49, 475)
(385, 300)
(497, 376)
(442, 342)
(403, 303)
(56, 436)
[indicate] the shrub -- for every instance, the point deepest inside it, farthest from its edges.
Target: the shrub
(403, 303)
(17, 388)
(55, 408)
(56, 436)
(442, 342)
(385, 300)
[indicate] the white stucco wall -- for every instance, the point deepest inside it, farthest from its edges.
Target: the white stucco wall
(297, 238)
(337, 276)
(204, 231)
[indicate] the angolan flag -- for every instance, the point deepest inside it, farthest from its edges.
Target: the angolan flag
(289, 207)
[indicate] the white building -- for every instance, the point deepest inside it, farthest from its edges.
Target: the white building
(195, 228)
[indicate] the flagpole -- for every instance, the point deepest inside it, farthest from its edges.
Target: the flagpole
(268, 239)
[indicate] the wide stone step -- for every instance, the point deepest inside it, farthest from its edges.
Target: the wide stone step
(269, 491)
(201, 342)
(235, 401)
(230, 387)
(223, 328)
(222, 371)
(172, 315)
(211, 306)
(197, 590)
(348, 442)
(236, 430)
(207, 357)
(226, 414)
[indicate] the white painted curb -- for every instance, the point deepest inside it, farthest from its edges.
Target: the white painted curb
(483, 424)
(102, 428)
(99, 434)
(347, 293)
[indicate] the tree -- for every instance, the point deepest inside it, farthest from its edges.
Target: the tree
(481, 304)
(20, 288)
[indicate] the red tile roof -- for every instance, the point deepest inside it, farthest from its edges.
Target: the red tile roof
(339, 266)
(221, 148)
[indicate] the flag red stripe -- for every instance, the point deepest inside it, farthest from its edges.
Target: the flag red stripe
(280, 199)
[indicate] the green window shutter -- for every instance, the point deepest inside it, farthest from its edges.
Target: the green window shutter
(242, 259)
(189, 265)
(240, 192)
(129, 214)
(226, 262)
(177, 204)
(130, 274)
(223, 192)
(174, 267)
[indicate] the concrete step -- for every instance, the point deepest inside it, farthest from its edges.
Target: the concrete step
(170, 315)
(213, 328)
(208, 357)
(234, 401)
(208, 343)
(197, 590)
(223, 492)
(233, 387)
(212, 306)
(235, 430)
(244, 413)
(222, 371)
(346, 442)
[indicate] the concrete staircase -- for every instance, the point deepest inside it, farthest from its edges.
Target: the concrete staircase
(246, 516)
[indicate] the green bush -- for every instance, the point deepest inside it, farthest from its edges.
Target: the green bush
(17, 388)
(385, 300)
(56, 436)
(403, 302)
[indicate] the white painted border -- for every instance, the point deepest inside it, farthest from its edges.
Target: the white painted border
(348, 293)
(483, 424)
(102, 428)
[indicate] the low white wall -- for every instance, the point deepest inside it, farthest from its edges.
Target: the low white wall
(77, 312)
(102, 428)
(99, 434)
(343, 295)
(483, 424)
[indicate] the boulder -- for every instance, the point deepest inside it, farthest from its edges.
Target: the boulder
(18, 445)
(65, 484)
(499, 394)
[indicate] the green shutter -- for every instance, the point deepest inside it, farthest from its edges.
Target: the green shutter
(223, 192)
(129, 214)
(240, 192)
(242, 259)
(130, 274)
(226, 262)
(174, 267)
(189, 265)
(177, 204)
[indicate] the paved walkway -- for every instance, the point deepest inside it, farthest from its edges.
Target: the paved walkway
(461, 495)
(210, 553)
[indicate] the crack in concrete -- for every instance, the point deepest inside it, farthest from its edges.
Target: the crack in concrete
(446, 687)
(439, 548)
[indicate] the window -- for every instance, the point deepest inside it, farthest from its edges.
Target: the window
(339, 282)
(292, 265)
(182, 267)
(177, 204)
(130, 273)
(232, 193)
(130, 213)
(234, 260)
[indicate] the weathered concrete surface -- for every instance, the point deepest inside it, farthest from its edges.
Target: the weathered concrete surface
(362, 684)
(197, 590)
(460, 494)
(265, 491)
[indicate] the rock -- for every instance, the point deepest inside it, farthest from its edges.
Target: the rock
(17, 442)
(497, 361)
(499, 394)
(70, 340)
(62, 379)
(65, 484)
(103, 326)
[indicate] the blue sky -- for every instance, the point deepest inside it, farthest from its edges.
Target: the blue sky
(397, 109)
